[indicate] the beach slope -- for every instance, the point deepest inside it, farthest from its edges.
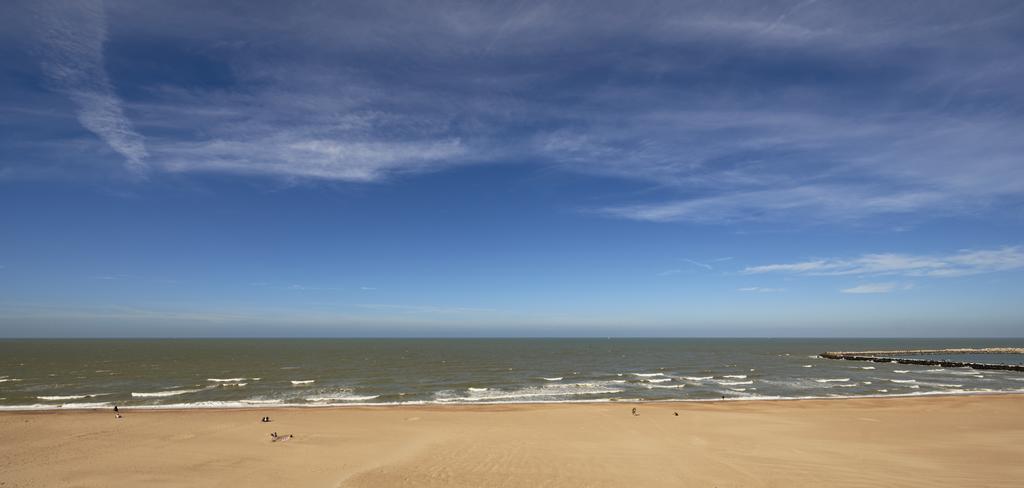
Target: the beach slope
(973, 441)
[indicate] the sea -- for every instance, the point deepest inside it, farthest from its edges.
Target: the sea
(262, 373)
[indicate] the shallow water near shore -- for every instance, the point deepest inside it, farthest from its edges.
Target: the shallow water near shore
(198, 373)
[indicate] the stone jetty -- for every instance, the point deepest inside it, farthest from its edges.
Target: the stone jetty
(888, 357)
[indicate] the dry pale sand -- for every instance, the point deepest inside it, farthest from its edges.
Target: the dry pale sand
(971, 441)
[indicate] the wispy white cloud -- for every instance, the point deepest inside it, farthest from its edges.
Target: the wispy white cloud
(745, 130)
(70, 38)
(309, 158)
(821, 201)
(758, 289)
(699, 264)
(367, 288)
(868, 288)
(670, 272)
(431, 309)
(294, 286)
(963, 263)
(298, 287)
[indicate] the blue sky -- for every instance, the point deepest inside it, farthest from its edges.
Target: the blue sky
(511, 168)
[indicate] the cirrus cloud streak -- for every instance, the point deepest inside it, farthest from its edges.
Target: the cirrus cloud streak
(962, 263)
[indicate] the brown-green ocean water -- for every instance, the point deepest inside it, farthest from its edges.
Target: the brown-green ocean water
(199, 373)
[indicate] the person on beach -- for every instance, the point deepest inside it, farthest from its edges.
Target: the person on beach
(115, 408)
(634, 412)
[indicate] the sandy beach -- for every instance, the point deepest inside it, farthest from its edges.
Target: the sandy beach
(940, 441)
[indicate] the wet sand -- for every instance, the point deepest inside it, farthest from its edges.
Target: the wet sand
(975, 441)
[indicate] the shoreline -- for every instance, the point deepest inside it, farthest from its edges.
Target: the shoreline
(357, 405)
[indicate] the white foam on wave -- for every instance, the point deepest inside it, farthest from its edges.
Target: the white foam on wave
(750, 382)
(971, 372)
(935, 370)
(341, 398)
(551, 391)
(158, 394)
(226, 380)
(577, 385)
(302, 382)
(808, 366)
(235, 385)
(698, 378)
(738, 376)
(34, 406)
(60, 397)
(5, 380)
(265, 403)
(618, 381)
(648, 375)
(261, 401)
(57, 398)
(221, 404)
(556, 378)
(833, 380)
(50, 406)
(658, 380)
(665, 386)
(87, 405)
(477, 389)
(867, 367)
(903, 381)
(901, 371)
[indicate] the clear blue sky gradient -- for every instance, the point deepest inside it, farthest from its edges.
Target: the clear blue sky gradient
(511, 169)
